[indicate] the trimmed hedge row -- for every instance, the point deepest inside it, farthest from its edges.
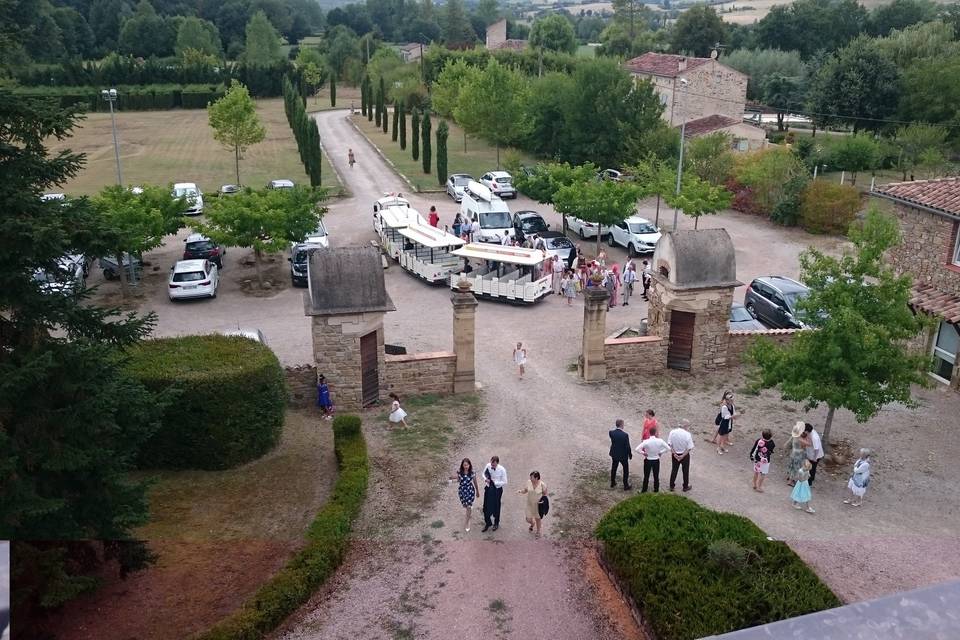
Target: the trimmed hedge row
(328, 539)
(131, 98)
(228, 400)
(695, 572)
(304, 131)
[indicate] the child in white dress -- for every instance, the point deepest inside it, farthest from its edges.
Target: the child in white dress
(860, 479)
(520, 358)
(397, 414)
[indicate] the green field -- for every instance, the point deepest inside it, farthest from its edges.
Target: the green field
(478, 158)
(161, 147)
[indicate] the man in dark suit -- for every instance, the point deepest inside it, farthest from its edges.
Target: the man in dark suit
(621, 453)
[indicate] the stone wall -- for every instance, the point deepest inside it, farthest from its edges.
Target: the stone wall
(926, 249)
(713, 89)
(627, 357)
(336, 349)
(301, 385)
(420, 373)
(739, 341)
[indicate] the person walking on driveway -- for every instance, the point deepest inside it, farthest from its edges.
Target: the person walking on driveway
(629, 277)
(495, 478)
(681, 444)
(652, 448)
(520, 358)
(814, 450)
(556, 274)
(351, 159)
(620, 453)
(467, 489)
(535, 491)
(761, 454)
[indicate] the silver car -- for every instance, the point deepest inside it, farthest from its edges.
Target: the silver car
(456, 183)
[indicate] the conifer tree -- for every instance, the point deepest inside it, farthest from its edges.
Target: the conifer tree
(403, 126)
(425, 134)
(415, 134)
(442, 133)
(396, 119)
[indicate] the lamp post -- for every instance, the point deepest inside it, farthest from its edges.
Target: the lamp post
(683, 131)
(110, 95)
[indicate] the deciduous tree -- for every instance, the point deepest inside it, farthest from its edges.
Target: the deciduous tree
(262, 41)
(199, 35)
(698, 197)
(920, 144)
(601, 202)
(493, 105)
(854, 154)
(553, 33)
(856, 358)
(234, 121)
(697, 31)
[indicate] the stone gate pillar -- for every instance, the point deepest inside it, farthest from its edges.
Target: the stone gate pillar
(592, 366)
(464, 337)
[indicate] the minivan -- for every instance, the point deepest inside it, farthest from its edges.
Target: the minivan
(773, 301)
(489, 214)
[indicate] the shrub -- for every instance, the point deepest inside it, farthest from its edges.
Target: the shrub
(766, 172)
(787, 209)
(228, 404)
(828, 207)
(659, 546)
(327, 541)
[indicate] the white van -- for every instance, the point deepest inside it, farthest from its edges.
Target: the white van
(489, 214)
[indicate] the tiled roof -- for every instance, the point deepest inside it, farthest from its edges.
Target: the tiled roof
(708, 124)
(662, 64)
(510, 44)
(928, 298)
(942, 194)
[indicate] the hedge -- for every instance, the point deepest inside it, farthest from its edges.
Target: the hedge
(328, 539)
(131, 98)
(694, 572)
(828, 207)
(228, 400)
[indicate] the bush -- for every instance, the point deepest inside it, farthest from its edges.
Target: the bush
(228, 405)
(132, 98)
(787, 209)
(327, 541)
(667, 550)
(828, 207)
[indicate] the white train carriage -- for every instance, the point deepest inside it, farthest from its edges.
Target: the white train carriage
(389, 221)
(426, 252)
(511, 274)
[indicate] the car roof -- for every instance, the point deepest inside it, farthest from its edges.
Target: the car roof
(550, 234)
(783, 283)
(225, 187)
(461, 175)
(638, 220)
(185, 266)
(528, 214)
(305, 246)
(196, 237)
(185, 185)
(249, 334)
(499, 174)
(282, 182)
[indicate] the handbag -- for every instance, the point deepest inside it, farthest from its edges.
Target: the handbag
(543, 506)
(718, 419)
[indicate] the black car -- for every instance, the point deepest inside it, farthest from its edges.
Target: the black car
(299, 257)
(200, 247)
(528, 222)
(773, 301)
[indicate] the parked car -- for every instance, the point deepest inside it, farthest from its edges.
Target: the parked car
(559, 245)
(318, 236)
(111, 269)
(250, 334)
(610, 174)
(193, 279)
(280, 184)
(500, 183)
(773, 301)
(528, 222)
(200, 247)
(229, 190)
(299, 257)
(67, 279)
(637, 235)
(741, 320)
(192, 193)
(585, 229)
(488, 213)
(456, 183)
(53, 197)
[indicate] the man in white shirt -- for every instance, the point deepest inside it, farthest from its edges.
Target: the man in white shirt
(681, 444)
(814, 451)
(629, 277)
(505, 241)
(652, 448)
(495, 479)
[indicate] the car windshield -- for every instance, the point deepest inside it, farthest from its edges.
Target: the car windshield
(495, 220)
(320, 231)
(533, 225)
(642, 228)
(793, 297)
(461, 181)
(180, 193)
(559, 243)
(189, 276)
(200, 245)
(503, 180)
(739, 314)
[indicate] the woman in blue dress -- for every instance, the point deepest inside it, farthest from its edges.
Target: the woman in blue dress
(323, 398)
(467, 489)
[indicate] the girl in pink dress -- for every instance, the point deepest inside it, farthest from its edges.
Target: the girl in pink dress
(615, 296)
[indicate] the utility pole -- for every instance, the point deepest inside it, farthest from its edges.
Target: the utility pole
(683, 131)
(110, 95)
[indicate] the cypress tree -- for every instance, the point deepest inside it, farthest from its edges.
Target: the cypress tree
(396, 119)
(425, 133)
(333, 90)
(415, 134)
(403, 126)
(363, 97)
(386, 113)
(442, 132)
(370, 101)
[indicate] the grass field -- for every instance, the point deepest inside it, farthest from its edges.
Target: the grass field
(161, 147)
(478, 158)
(345, 96)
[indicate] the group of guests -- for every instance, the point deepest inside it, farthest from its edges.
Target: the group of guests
(494, 480)
(679, 444)
(570, 281)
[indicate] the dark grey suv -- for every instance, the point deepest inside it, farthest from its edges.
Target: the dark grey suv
(773, 301)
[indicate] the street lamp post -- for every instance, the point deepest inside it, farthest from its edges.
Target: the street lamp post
(110, 95)
(683, 131)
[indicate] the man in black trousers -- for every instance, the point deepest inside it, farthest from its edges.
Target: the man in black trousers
(621, 453)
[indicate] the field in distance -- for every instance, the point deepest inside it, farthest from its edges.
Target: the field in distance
(161, 147)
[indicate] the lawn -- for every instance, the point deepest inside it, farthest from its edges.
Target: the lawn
(345, 96)
(478, 158)
(162, 147)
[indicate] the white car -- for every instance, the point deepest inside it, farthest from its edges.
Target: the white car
(193, 279)
(318, 236)
(500, 183)
(456, 183)
(280, 184)
(250, 334)
(68, 278)
(194, 197)
(637, 235)
(53, 197)
(585, 229)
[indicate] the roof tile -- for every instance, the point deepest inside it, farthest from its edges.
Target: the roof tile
(662, 64)
(707, 124)
(928, 298)
(942, 194)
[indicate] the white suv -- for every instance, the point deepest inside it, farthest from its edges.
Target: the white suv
(191, 192)
(500, 183)
(193, 279)
(637, 235)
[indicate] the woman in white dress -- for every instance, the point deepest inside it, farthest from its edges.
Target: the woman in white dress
(397, 414)
(520, 358)
(860, 479)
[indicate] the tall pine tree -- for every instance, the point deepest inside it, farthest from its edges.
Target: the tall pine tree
(333, 89)
(425, 134)
(442, 133)
(396, 119)
(371, 101)
(403, 126)
(363, 98)
(386, 113)
(415, 134)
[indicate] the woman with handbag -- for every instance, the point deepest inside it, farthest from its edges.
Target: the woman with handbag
(535, 491)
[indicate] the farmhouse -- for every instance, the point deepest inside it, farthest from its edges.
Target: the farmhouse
(929, 215)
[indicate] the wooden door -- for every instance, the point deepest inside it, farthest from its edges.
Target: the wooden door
(680, 347)
(369, 376)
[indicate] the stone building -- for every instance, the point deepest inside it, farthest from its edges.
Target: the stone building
(707, 94)
(411, 52)
(929, 216)
(497, 37)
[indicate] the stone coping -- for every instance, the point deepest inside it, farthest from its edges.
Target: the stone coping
(765, 332)
(636, 340)
(414, 357)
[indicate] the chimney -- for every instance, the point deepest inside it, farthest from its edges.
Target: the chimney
(681, 64)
